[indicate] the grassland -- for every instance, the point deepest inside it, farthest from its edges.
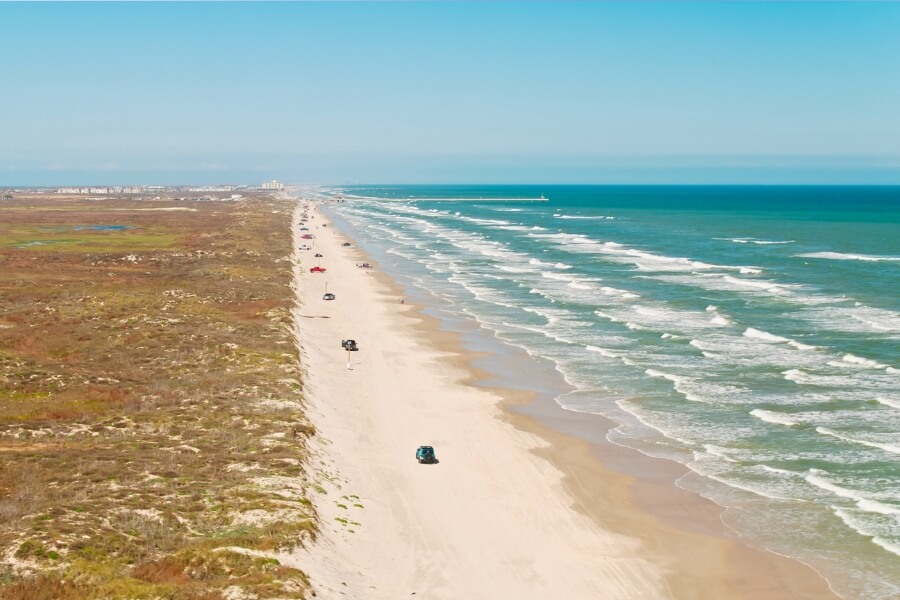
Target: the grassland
(152, 438)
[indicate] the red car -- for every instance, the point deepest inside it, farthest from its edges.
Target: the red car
(307, 236)
(317, 270)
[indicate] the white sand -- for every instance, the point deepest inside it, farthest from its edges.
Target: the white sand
(491, 520)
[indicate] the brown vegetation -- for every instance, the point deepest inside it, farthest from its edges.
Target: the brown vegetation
(149, 400)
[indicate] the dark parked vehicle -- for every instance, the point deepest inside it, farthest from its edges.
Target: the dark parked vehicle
(349, 345)
(345, 244)
(425, 455)
(318, 255)
(328, 296)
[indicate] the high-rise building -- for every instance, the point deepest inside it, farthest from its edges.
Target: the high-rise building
(273, 185)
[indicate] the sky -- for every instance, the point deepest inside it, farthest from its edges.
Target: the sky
(455, 92)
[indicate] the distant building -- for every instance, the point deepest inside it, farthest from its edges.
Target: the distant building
(273, 185)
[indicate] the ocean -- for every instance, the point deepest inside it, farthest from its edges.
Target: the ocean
(749, 333)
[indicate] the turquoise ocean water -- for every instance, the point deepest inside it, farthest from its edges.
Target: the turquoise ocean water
(749, 333)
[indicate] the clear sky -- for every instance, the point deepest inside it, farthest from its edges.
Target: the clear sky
(498, 92)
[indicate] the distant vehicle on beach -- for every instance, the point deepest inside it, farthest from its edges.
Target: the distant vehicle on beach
(304, 229)
(317, 270)
(318, 255)
(328, 296)
(350, 345)
(307, 236)
(425, 455)
(345, 244)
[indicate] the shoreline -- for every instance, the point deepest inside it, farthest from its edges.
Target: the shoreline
(679, 532)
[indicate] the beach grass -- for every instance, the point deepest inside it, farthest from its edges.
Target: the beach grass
(151, 410)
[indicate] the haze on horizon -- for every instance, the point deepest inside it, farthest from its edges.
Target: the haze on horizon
(179, 93)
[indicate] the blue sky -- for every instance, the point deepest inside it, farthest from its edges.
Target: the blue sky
(500, 92)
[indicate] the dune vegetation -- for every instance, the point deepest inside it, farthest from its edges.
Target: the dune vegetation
(152, 437)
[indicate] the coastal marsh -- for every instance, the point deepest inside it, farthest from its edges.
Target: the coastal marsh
(149, 387)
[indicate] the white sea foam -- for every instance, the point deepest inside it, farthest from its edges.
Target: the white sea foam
(509, 269)
(720, 321)
(538, 263)
(625, 295)
(862, 362)
(881, 508)
(843, 256)
(642, 259)
(761, 491)
(682, 384)
(817, 478)
(887, 402)
(756, 284)
(586, 218)
(556, 276)
(865, 529)
(672, 378)
(607, 316)
(772, 417)
(798, 376)
(890, 547)
(780, 472)
(654, 313)
(645, 418)
(755, 241)
(711, 308)
(602, 351)
(858, 318)
(892, 448)
(718, 452)
(764, 335)
(800, 346)
(717, 282)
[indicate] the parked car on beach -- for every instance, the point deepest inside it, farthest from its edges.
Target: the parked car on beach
(317, 270)
(328, 296)
(425, 455)
(346, 244)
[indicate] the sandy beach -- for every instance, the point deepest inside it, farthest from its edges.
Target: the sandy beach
(513, 509)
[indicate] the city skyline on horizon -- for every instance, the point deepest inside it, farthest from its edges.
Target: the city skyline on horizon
(343, 93)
